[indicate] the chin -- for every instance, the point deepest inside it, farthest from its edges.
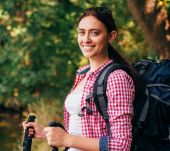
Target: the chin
(88, 56)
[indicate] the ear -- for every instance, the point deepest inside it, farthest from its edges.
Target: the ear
(112, 36)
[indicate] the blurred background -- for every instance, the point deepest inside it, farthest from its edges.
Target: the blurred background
(39, 54)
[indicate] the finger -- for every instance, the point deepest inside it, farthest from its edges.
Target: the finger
(47, 129)
(31, 134)
(30, 124)
(23, 124)
(31, 130)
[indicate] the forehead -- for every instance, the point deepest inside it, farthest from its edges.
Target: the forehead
(90, 22)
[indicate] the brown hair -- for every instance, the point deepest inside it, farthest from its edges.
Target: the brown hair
(104, 15)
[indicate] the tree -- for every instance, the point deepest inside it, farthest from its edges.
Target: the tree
(38, 49)
(154, 18)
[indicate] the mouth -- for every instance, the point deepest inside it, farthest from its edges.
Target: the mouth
(87, 47)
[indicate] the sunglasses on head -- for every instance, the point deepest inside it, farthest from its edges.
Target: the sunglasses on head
(103, 10)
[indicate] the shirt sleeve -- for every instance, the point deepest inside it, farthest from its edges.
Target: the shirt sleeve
(120, 93)
(66, 119)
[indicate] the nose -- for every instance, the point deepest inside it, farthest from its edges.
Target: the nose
(87, 38)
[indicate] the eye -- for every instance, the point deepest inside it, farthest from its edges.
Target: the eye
(80, 32)
(95, 33)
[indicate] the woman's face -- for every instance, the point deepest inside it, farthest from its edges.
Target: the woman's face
(93, 38)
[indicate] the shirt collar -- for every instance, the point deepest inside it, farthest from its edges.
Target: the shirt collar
(86, 68)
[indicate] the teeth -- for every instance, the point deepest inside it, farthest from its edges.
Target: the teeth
(87, 47)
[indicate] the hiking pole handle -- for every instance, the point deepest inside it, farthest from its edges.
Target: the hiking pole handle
(28, 140)
(55, 124)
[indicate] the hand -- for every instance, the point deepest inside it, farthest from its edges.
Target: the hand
(56, 136)
(34, 129)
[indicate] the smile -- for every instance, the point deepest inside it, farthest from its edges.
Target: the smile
(87, 47)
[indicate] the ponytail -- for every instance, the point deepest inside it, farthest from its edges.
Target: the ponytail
(115, 56)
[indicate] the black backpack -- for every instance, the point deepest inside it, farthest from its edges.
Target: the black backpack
(151, 121)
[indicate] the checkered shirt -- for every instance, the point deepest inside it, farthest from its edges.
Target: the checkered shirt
(120, 93)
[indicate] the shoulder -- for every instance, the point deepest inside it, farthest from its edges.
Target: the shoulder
(119, 74)
(120, 78)
(120, 85)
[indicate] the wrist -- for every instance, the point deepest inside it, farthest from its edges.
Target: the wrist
(68, 140)
(43, 135)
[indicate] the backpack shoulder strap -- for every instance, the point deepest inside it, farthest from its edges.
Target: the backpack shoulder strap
(99, 90)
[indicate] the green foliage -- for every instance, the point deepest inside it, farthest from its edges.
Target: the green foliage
(38, 48)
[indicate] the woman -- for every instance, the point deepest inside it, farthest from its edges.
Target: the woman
(96, 31)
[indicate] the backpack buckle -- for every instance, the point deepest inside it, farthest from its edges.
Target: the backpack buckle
(106, 117)
(105, 114)
(89, 96)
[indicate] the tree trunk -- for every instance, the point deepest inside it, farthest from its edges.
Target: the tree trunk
(154, 23)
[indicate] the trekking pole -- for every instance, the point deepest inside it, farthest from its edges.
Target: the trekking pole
(28, 140)
(55, 124)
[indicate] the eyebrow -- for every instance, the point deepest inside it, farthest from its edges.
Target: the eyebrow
(89, 29)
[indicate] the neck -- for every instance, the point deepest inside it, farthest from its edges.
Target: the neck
(94, 64)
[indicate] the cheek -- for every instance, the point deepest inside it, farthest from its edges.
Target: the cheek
(101, 40)
(78, 40)
(79, 43)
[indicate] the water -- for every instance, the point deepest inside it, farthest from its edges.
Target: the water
(10, 131)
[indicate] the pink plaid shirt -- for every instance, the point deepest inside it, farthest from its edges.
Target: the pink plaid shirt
(120, 93)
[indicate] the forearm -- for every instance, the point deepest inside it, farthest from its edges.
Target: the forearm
(81, 143)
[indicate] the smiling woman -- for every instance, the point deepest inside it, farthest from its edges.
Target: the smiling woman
(85, 127)
(93, 40)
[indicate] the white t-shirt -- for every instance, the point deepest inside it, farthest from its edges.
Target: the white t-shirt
(73, 106)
